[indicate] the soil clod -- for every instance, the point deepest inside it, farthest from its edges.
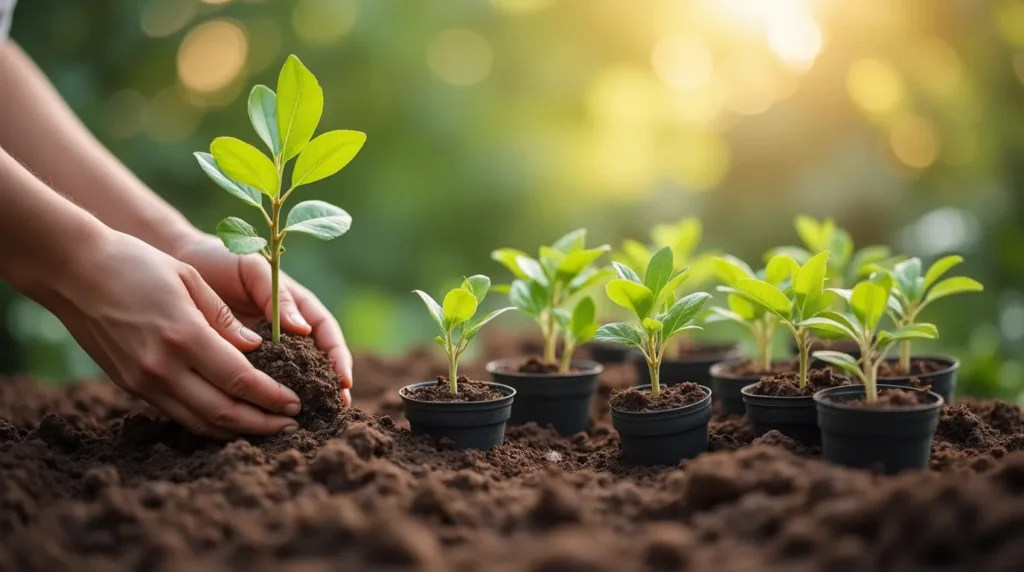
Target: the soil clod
(788, 384)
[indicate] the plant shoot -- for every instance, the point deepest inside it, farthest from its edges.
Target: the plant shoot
(755, 318)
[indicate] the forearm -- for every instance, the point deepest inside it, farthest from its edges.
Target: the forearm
(40, 130)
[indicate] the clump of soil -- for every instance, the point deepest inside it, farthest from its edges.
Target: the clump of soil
(297, 364)
(893, 399)
(917, 367)
(537, 366)
(788, 384)
(750, 368)
(468, 391)
(671, 397)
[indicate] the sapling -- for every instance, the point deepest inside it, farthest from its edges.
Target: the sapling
(285, 121)
(757, 320)
(868, 301)
(845, 265)
(543, 285)
(578, 327)
(800, 299)
(912, 292)
(646, 298)
(454, 316)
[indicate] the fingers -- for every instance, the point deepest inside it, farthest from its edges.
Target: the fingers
(224, 414)
(217, 313)
(255, 274)
(179, 413)
(326, 333)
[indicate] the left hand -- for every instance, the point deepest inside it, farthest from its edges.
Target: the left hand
(243, 282)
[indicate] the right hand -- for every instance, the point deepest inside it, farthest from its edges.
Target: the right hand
(160, 333)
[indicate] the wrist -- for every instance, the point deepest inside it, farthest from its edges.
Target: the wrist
(56, 271)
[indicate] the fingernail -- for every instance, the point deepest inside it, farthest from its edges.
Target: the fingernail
(292, 409)
(289, 429)
(249, 335)
(298, 319)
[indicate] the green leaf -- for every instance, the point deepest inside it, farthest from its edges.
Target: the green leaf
(940, 268)
(668, 291)
(717, 314)
(767, 295)
(809, 282)
(908, 277)
(571, 242)
(626, 273)
(440, 341)
(868, 302)
(459, 306)
(300, 102)
(652, 326)
(659, 270)
(478, 285)
(509, 257)
(619, 333)
(954, 285)
(532, 269)
(922, 331)
(825, 325)
(529, 297)
(845, 361)
(501, 288)
(811, 232)
(684, 312)
(549, 259)
(434, 308)
(631, 296)
(263, 115)
(239, 236)
(472, 331)
(801, 255)
(731, 270)
(841, 247)
(245, 164)
(589, 278)
(865, 259)
(241, 191)
(583, 316)
(780, 268)
(326, 155)
(744, 308)
(319, 220)
(576, 261)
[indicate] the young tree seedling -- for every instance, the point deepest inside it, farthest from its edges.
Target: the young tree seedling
(912, 292)
(454, 316)
(646, 299)
(543, 285)
(285, 121)
(753, 317)
(578, 327)
(801, 298)
(868, 301)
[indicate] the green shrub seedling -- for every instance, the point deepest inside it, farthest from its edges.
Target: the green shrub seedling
(543, 285)
(868, 301)
(578, 327)
(285, 121)
(657, 322)
(755, 318)
(912, 292)
(455, 318)
(800, 298)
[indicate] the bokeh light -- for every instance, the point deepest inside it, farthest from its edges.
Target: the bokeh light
(794, 37)
(212, 56)
(162, 18)
(875, 86)
(171, 118)
(322, 22)
(698, 160)
(914, 141)
(460, 57)
(682, 62)
(1009, 20)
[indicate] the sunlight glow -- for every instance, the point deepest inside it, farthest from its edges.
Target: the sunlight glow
(521, 6)
(460, 57)
(682, 62)
(914, 141)
(212, 56)
(875, 86)
(322, 22)
(794, 37)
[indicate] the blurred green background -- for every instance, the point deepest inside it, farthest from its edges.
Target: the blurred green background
(508, 122)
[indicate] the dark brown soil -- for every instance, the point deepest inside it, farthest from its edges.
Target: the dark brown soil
(90, 480)
(537, 366)
(893, 399)
(671, 397)
(917, 367)
(297, 364)
(752, 368)
(468, 391)
(788, 384)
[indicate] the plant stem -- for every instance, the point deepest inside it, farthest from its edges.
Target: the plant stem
(905, 356)
(550, 337)
(655, 370)
(870, 381)
(567, 352)
(804, 343)
(453, 371)
(275, 271)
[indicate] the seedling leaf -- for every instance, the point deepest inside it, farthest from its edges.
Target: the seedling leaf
(244, 163)
(955, 285)
(631, 296)
(618, 333)
(435, 310)
(845, 361)
(318, 219)
(263, 115)
(247, 194)
(326, 155)
(300, 102)
(239, 236)
(478, 285)
(940, 268)
(459, 306)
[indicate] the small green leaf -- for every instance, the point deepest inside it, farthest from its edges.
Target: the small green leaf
(440, 341)
(571, 242)
(908, 277)
(583, 315)
(868, 302)
(300, 102)
(459, 306)
(832, 328)
(576, 261)
(501, 288)
(780, 268)
(508, 257)
(478, 285)
(635, 252)
(319, 220)
(245, 164)
(865, 260)
(434, 308)
(263, 115)
(845, 361)
(809, 282)
(631, 296)
(618, 333)
(731, 270)
(532, 269)
(841, 247)
(241, 191)
(549, 259)
(626, 273)
(683, 313)
(659, 270)
(472, 331)
(811, 232)
(239, 236)
(940, 268)
(801, 255)
(589, 278)
(767, 295)
(954, 285)
(922, 331)
(652, 326)
(326, 155)
(668, 292)
(744, 308)
(529, 297)
(717, 314)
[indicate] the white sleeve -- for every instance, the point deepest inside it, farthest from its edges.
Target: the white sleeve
(6, 15)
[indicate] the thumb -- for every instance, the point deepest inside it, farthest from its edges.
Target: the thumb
(217, 313)
(256, 280)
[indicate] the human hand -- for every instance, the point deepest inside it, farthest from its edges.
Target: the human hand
(162, 334)
(243, 282)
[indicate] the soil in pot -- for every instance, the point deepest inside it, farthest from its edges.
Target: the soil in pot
(472, 418)
(692, 363)
(892, 434)
(297, 364)
(779, 403)
(469, 391)
(662, 430)
(936, 372)
(546, 397)
(728, 379)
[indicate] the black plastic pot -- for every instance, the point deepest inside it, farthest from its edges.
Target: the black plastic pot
(895, 439)
(695, 368)
(609, 353)
(728, 388)
(664, 437)
(794, 417)
(943, 381)
(470, 425)
(559, 400)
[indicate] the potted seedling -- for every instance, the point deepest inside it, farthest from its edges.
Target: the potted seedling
(912, 292)
(686, 359)
(472, 414)
(729, 377)
(285, 121)
(551, 389)
(657, 424)
(873, 425)
(783, 401)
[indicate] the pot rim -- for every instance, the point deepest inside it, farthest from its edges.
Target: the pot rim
(667, 412)
(507, 391)
(717, 369)
(821, 399)
(781, 398)
(589, 368)
(953, 361)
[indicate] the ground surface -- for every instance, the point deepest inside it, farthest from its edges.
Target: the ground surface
(89, 482)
